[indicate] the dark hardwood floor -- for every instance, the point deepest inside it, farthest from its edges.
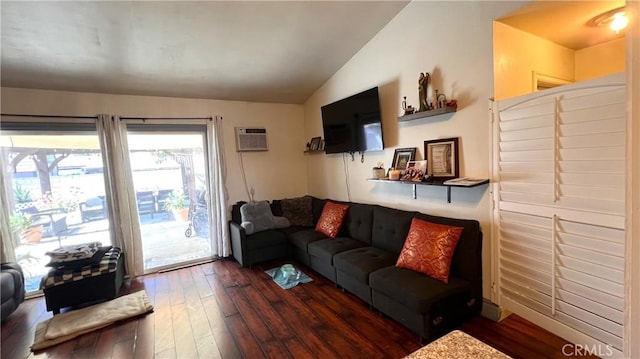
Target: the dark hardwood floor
(220, 310)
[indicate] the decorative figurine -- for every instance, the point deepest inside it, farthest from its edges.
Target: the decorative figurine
(408, 110)
(423, 85)
(441, 100)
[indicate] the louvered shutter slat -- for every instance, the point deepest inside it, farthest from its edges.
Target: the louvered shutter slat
(560, 194)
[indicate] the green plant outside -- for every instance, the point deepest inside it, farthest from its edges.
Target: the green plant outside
(68, 204)
(22, 195)
(175, 201)
(19, 223)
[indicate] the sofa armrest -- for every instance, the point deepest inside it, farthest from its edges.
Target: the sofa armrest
(248, 227)
(238, 242)
(11, 265)
(13, 290)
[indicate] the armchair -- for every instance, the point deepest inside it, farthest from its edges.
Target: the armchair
(11, 288)
(146, 202)
(93, 208)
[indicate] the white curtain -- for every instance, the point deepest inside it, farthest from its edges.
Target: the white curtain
(123, 216)
(217, 189)
(7, 253)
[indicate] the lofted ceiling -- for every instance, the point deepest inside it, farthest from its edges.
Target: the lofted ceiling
(259, 51)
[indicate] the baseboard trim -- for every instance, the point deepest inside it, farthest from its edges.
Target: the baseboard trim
(493, 311)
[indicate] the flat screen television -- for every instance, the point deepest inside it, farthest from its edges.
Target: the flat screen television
(353, 124)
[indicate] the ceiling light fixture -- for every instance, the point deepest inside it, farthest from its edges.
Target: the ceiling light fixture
(619, 22)
(615, 19)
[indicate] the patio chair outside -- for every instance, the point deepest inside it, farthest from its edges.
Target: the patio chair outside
(93, 208)
(53, 221)
(146, 201)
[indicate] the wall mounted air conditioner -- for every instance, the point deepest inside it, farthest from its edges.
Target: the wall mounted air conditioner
(251, 139)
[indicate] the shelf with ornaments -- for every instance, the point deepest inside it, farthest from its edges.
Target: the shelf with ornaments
(427, 113)
(439, 106)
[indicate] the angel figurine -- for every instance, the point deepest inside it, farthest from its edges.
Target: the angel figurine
(423, 85)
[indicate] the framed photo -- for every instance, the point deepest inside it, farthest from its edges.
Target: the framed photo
(321, 146)
(315, 144)
(402, 157)
(442, 158)
(416, 171)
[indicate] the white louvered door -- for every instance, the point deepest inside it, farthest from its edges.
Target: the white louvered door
(559, 192)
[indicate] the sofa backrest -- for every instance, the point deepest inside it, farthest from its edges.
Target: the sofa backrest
(467, 258)
(390, 228)
(236, 216)
(358, 223)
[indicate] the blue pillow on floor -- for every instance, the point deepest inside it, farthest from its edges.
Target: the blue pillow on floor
(288, 276)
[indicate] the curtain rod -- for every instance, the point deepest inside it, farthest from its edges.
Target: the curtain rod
(121, 118)
(47, 116)
(166, 118)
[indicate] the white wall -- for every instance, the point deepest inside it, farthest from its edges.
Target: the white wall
(277, 173)
(518, 53)
(600, 60)
(453, 42)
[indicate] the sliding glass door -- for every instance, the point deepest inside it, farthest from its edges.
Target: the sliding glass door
(55, 189)
(168, 170)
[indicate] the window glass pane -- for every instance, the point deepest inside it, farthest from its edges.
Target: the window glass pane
(168, 170)
(57, 192)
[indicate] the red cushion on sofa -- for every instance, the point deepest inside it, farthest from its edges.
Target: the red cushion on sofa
(331, 219)
(429, 248)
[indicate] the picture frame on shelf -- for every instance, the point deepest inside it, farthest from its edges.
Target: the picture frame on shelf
(416, 171)
(442, 158)
(402, 157)
(315, 143)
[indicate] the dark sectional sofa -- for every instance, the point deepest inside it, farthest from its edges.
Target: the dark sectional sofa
(362, 261)
(12, 288)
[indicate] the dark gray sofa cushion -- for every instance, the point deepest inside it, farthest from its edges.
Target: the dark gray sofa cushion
(276, 207)
(303, 236)
(390, 228)
(236, 217)
(11, 288)
(360, 262)
(297, 210)
(415, 290)
(317, 205)
(358, 223)
(264, 239)
(325, 249)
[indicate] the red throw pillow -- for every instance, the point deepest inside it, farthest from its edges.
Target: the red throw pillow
(331, 219)
(429, 248)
